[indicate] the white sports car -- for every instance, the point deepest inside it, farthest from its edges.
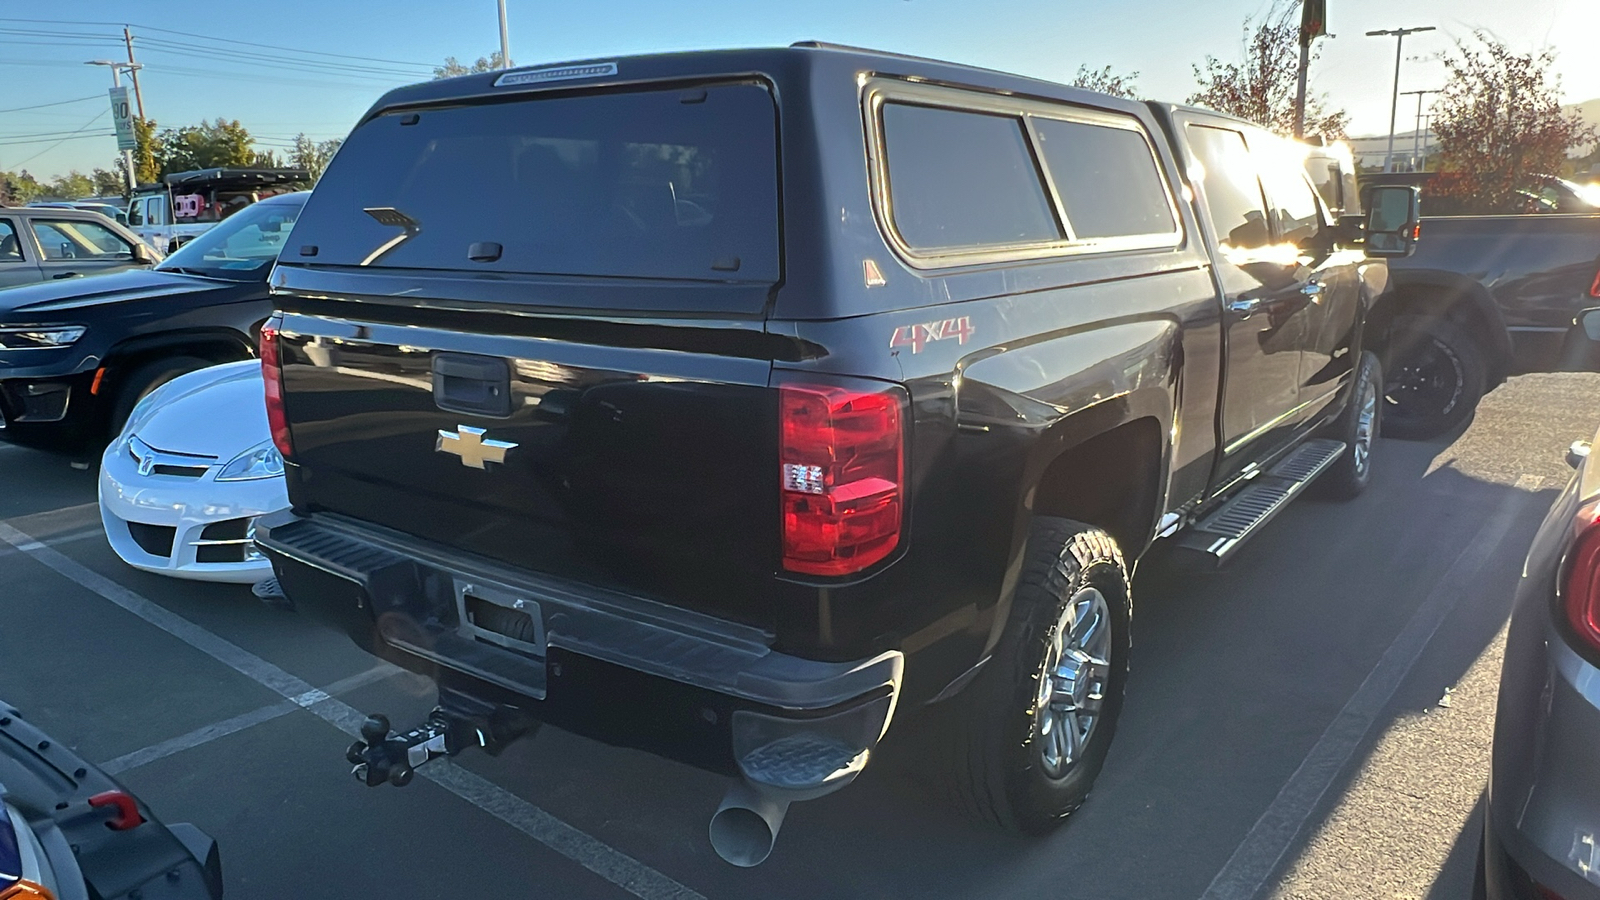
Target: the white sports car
(181, 487)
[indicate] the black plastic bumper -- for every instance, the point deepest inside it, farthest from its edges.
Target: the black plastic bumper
(622, 669)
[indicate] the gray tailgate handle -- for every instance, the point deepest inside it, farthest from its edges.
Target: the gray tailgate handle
(480, 385)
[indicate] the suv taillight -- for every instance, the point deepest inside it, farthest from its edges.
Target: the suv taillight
(1594, 289)
(842, 464)
(1581, 600)
(272, 377)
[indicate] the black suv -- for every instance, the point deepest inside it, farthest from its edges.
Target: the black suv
(77, 355)
(735, 404)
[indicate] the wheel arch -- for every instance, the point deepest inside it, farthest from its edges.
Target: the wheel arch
(1434, 292)
(216, 345)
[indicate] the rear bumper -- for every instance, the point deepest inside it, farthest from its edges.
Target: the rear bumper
(1542, 823)
(623, 669)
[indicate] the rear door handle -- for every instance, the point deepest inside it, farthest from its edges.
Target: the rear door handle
(1311, 289)
(65, 275)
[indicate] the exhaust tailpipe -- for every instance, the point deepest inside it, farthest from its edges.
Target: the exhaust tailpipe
(746, 825)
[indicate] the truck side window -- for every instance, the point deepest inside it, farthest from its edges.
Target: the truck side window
(156, 210)
(1294, 203)
(136, 211)
(1232, 192)
(1107, 179)
(963, 179)
(10, 249)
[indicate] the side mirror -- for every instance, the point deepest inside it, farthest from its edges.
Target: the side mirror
(1394, 220)
(142, 255)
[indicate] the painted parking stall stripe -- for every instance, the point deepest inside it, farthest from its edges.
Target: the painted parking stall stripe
(208, 733)
(616, 867)
(1258, 856)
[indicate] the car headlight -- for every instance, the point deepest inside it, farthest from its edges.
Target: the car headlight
(261, 461)
(39, 337)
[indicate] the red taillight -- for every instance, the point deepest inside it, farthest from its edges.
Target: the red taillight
(842, 464)
(272, 377)
(1594, 289)
(1582, 600)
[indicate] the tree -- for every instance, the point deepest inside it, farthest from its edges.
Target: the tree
(1107, 82)
(109, 183)
(313, 156)
(453, 67)
(72, 186)
(19, 188)
(1261, 88)
(1500, 124)
(204, 146)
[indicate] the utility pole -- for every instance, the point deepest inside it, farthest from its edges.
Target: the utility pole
(1313, 24)
(1416, 136)
(505, 39)
(116, 82)
(1399, 35)
(134, 67)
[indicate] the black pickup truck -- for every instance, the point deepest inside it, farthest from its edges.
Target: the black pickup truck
(733, 404)
(1484, 297)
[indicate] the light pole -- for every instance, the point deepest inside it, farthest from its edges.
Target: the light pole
(1416, 136)
(116, 82)
(1399, 35)
(505, 39)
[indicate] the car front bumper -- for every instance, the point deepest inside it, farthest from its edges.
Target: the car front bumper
(185, 526)
(622, 669)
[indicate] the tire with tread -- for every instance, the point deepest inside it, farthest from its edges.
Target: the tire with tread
(1456, 361)
(139, 382)
(985, 737)
(1348, 477)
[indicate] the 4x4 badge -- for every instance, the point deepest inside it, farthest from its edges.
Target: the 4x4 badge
(467, 443)
(918, 336)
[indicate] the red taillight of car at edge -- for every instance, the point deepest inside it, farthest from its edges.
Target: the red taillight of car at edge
(1582, 596)
(272, 377)
(842, 464)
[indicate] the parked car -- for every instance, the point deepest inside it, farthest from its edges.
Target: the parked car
(75, 357)
(109, 210)
(68, 831)
(573, 408)
(1543, 797)
(185, 205)
(1485, 297)
(182, 485)
(49, 244)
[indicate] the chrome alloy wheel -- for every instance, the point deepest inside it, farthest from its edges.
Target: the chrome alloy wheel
(1366, 420)
(1072, 684)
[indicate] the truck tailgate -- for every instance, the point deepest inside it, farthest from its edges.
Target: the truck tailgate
(622, 464)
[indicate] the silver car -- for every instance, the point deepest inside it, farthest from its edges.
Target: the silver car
(1542, 821)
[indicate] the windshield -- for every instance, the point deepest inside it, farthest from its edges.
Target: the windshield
(241, 249)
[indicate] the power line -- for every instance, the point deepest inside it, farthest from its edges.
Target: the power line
(102, 114)
(207, 37)
(56, 103)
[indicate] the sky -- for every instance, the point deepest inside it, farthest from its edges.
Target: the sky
(289, 68)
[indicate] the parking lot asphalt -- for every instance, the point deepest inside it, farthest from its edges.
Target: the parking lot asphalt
(1284, 735)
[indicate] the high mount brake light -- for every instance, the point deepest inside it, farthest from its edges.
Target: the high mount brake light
(272, 378)
(842, 464)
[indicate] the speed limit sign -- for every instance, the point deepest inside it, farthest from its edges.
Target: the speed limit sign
(122, 118)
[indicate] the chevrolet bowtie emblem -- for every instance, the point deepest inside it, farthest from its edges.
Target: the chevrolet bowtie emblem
(467, 443)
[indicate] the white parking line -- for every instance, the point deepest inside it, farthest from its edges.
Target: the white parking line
(613, 865)
(208, 733)
(68, 538)
(1257, 857)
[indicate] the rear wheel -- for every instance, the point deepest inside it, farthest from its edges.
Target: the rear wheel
(1435, 372)
(139, 382)
(1025, 741)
